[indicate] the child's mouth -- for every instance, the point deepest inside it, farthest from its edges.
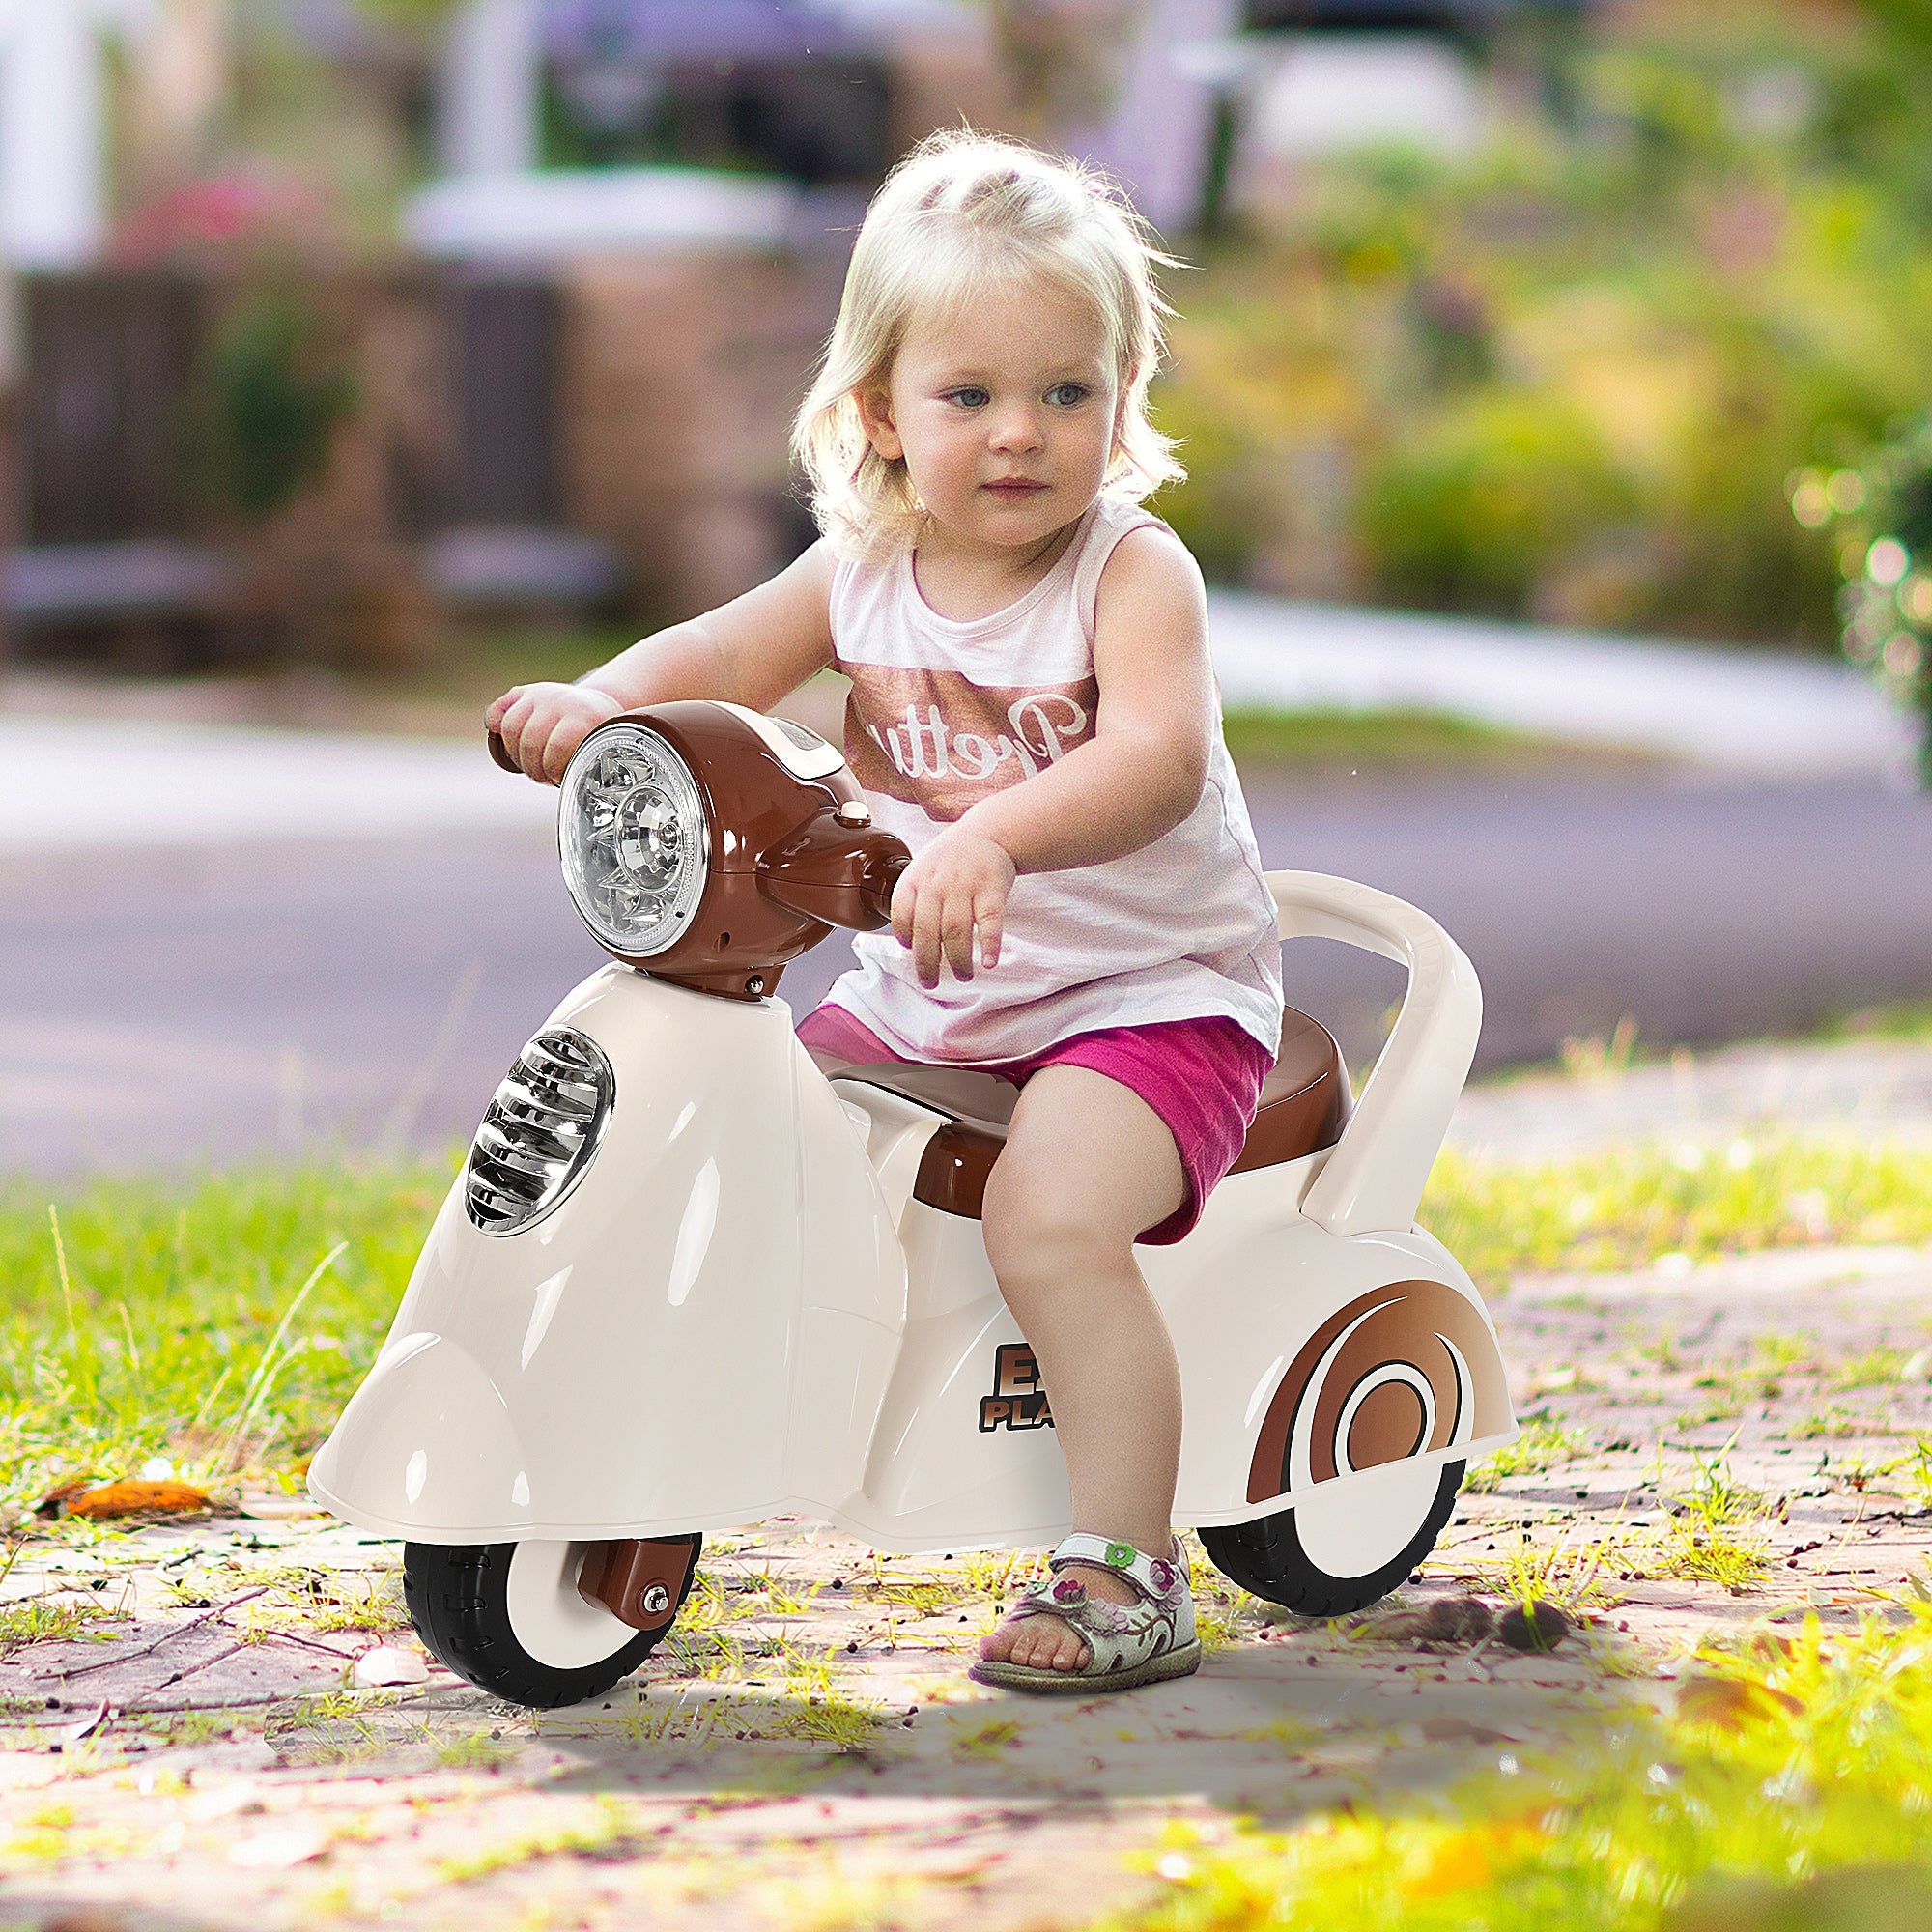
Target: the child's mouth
(1014, 487)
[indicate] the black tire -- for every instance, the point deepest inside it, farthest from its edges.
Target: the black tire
(1265, 1557)
(458, 1598)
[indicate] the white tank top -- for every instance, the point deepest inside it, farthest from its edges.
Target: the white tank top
(942, 713)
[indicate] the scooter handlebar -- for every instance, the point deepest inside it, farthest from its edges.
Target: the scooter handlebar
(878, 887)
(836, 872)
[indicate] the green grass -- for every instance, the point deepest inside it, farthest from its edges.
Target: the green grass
(610, 1830)
(1543, 1445)
(1331, 742)
(1715, 1555)
(38, 1620)
(1627, 1206)
(1909, 1020)
(1787, 1787)
(150, 1317)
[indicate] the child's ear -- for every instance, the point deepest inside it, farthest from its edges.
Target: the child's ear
(875, 413)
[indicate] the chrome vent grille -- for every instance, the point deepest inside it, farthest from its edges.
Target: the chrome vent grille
(540, 1132)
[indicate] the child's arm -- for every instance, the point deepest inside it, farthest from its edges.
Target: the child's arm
(750, 651)
(1137, 778)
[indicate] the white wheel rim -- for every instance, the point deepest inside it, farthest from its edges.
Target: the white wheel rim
(552, 1622)
(1354, 1526)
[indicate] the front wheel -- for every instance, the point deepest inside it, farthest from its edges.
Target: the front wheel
(507, 1617)
(1344, 1546)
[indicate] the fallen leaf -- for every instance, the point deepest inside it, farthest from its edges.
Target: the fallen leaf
(55, 1501)
(88, 1724)
(130, 1497)
(277, 1851)
(386, 1664)
(1466, 1859)
(1731, 1702)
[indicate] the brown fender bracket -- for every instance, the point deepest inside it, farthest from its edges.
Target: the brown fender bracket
(639, 1581)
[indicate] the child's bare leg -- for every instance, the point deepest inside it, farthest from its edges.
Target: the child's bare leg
(1088, 1165)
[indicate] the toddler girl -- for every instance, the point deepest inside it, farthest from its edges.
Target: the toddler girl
(1033, 712)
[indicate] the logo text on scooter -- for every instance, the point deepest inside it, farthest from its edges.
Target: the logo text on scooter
(1017, 1400)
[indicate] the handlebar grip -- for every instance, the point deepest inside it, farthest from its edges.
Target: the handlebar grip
(878, 889)
(501, 751)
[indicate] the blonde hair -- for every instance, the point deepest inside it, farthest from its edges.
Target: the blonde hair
(964, 210)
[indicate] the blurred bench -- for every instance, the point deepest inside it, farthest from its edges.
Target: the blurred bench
(48, 585)
(490, 567)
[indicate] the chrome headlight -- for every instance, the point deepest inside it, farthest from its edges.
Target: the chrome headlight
(540, 1131)
(636, 846)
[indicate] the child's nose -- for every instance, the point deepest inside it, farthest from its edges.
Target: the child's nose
(1015, 428)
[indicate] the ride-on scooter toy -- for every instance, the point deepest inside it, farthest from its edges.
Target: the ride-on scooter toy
(689, 1278)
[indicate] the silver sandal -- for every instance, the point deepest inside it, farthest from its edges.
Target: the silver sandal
(1127, 1644)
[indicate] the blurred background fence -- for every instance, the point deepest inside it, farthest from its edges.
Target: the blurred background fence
(337, 323)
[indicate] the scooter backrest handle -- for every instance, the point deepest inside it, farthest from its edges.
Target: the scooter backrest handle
(1373, 1181)
(501, 751)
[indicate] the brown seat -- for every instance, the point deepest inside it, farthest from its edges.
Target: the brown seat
(1304, 1104)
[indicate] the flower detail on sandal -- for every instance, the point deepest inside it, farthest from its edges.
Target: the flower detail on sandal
(1127, 1644)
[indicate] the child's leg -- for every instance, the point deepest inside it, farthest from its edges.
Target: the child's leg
(1087, 1166)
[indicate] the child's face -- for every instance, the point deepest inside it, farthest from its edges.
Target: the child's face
(1006, 414)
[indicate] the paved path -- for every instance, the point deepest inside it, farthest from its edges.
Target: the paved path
(133, 786)
(1742, 710)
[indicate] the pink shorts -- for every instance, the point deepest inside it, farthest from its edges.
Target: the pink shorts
(1203, 1077)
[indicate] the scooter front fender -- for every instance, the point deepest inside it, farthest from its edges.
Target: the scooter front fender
(427, 1438)
(631, 1363)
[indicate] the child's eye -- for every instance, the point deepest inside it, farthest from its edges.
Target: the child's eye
(1066, 394)
(969, 398)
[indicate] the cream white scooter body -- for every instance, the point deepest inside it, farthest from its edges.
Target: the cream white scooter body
(740, 1309)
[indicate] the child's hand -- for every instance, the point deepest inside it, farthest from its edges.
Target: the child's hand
(956, 887)
(541, 725)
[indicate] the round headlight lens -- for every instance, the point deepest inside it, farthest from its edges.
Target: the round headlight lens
(636, 847)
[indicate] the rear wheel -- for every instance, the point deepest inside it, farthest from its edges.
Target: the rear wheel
(507, 1617)
(1347, 1543)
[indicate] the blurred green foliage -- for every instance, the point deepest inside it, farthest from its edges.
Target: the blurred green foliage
(1879, 508)
(277, 394)
(408, 13)
(1573, 375)
(1468, 511)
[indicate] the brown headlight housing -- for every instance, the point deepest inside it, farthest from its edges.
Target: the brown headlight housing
(709, 846)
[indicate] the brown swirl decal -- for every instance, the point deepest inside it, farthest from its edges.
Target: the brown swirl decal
(930, 738)
(1399, 1371)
